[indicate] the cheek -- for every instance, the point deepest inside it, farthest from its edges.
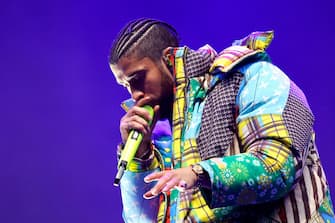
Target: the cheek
(159, 85)
(167, 86)
(153, 87)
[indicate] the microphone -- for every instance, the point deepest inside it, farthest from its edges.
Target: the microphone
(130, 148)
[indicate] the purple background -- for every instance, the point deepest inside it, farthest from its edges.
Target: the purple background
(60, 104)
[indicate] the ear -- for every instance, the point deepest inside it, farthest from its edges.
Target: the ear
(167, 51)
(166, 55)
(166, 62)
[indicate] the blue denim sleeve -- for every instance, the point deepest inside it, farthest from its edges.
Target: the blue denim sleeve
(135, 207)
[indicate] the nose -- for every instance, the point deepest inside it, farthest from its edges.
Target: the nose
(136, 94)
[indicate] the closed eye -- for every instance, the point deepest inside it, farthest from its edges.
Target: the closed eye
(136, 80)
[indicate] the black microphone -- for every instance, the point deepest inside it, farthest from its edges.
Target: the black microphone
(130, 148)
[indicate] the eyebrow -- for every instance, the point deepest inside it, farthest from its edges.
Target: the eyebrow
(125, 81)
(133, 75)
(130, 77)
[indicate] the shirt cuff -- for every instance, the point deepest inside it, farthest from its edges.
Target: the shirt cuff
(140, 165)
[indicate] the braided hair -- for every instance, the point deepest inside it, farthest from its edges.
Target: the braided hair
(143, 38)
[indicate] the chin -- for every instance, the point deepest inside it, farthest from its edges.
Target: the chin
(165, 111)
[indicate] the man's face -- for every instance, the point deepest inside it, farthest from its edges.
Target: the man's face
(145, 78)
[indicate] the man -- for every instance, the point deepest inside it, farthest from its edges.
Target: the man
(231, 138)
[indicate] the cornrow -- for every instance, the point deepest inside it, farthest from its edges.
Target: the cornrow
(128, 32)
(132, 35)
(142, 29)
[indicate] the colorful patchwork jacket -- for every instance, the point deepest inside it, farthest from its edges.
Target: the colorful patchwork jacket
(250, 127)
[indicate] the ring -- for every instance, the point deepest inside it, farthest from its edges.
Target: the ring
(182, 185)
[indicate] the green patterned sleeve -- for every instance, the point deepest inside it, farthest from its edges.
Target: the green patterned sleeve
(264, 171)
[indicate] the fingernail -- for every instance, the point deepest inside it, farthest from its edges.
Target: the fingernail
(147, 197)
(148, 180)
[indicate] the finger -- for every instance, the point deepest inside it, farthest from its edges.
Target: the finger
(137, 114)
(143, 101)
(141, 112)
(156, 109)
(173, 183)
(124, 130)
(153, 177)
(162, 183)
(148, 101)
(150, 178)
(159, 186)
(138, 123)
(148, 195)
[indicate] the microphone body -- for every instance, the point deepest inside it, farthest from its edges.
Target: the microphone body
(130, 148)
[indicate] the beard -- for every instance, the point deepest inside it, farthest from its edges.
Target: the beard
(166, 107)
(167, 92)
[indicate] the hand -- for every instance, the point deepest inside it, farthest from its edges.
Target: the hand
(181, 179)
(138, 118)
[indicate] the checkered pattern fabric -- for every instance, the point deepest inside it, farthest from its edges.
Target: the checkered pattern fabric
(218, 121)
(198, 63)
(299, 125)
